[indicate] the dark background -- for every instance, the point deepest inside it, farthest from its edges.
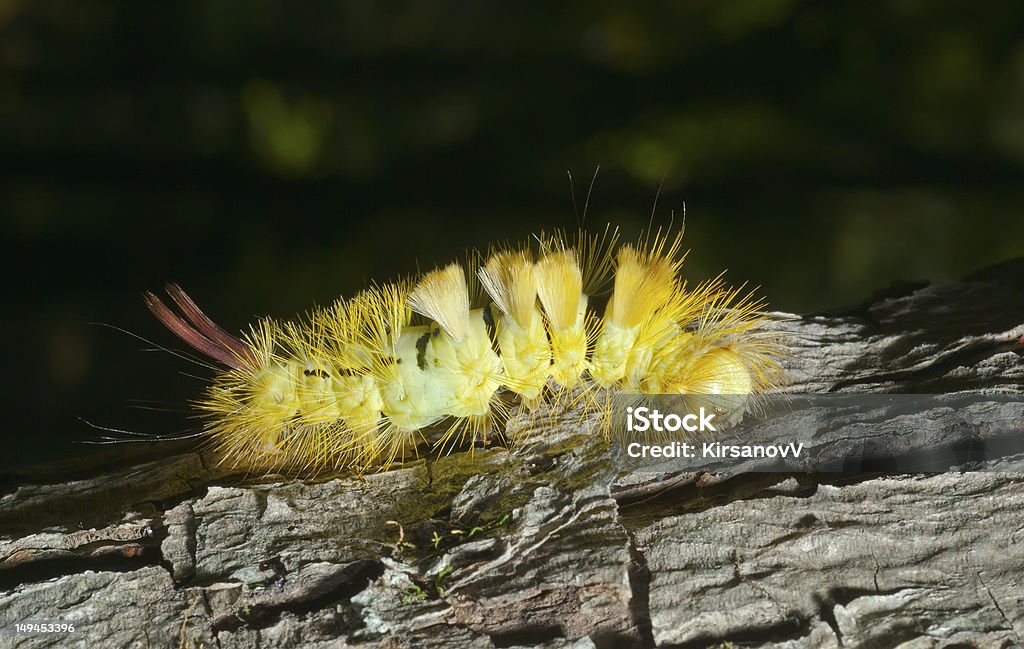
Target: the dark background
(270, 156)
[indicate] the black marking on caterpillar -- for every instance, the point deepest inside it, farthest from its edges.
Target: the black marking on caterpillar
(421, 350)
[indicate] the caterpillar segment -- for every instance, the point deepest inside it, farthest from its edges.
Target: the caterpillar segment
(365, 382)
(510, 279)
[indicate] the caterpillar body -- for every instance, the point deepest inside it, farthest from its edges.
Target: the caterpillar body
(361, 384)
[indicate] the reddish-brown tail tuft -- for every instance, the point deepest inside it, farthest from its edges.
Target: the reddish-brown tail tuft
(198, 330)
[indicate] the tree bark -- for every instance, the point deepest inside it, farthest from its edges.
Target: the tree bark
(556, 543)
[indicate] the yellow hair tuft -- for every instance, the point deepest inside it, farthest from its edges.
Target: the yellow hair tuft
(443, 296)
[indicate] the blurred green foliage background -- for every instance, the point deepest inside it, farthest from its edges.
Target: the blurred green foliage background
(273, 155)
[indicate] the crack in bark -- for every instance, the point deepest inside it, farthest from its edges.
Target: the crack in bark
(1002, 613)
(908, 379)
(306, 599)
(640, 590)
(34, 572)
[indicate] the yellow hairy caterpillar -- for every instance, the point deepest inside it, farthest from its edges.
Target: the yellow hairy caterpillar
(359, 384)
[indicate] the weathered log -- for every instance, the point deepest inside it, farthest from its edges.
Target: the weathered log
(554, 543)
